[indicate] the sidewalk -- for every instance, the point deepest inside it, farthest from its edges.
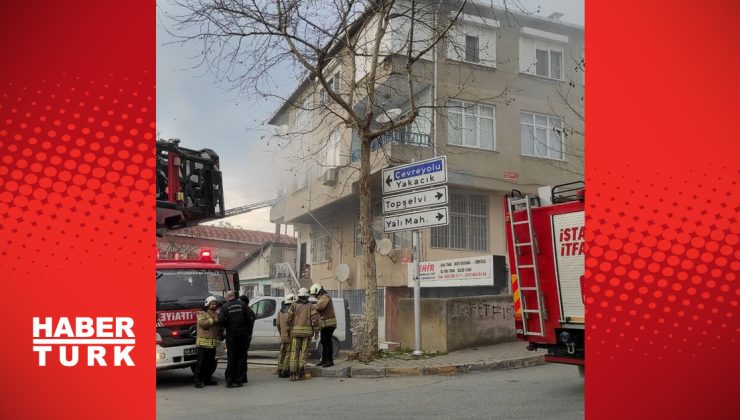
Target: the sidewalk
(503, 356)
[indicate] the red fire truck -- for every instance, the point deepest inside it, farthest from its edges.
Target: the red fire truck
(182, 288)
(545, 240)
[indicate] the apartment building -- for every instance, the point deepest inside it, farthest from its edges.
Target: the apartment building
(502, 99)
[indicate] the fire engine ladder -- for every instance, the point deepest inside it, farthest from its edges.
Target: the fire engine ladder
(527, 310)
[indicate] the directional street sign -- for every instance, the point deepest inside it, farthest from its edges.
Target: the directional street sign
(416, 220)
(414, 200)
(407, 178)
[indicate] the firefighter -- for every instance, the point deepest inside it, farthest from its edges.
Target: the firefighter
(283, 367)
(303, 321)
(208, 333)
(235, 320)
(327, 323)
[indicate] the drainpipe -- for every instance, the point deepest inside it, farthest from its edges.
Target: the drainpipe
(434, 93)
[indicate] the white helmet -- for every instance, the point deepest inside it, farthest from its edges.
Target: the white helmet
(303, 292)
(315, 289)
(210, 299)
(290, 298)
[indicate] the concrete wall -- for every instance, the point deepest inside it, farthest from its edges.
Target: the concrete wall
(458, 323)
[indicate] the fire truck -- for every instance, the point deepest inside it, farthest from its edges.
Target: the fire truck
(182, 288)
(189, 191)
(545, 240)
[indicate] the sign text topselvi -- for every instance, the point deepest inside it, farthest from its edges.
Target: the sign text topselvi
(415, 175)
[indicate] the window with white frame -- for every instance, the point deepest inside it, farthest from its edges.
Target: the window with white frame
(303, 115)
(542, 135)
(473, 40)
(541, 57)
(320, 246)
(331, 157)
(399, 239)
(300, 177)
(471, 125)
(377, 210)
(468, 228)
(333, 82)
(472, 51)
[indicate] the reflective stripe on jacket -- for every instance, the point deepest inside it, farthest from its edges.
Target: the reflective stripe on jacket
(282, 325)
(325, 308)
(303, 320)
(207, 330)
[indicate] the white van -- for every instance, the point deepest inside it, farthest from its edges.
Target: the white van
(265, 335)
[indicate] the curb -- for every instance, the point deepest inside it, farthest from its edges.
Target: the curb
(444, 370)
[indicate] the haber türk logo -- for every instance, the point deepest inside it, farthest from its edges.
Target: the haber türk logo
(86, 341)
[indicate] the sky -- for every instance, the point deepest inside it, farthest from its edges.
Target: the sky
(204, 113)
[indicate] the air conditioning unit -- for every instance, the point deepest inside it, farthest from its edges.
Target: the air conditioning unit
(330, 176)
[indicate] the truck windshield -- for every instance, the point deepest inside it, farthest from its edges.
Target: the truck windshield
(190, 284)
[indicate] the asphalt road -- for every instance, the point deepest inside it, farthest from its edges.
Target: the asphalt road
(548, 391)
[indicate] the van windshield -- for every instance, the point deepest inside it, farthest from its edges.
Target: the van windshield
(190, 284)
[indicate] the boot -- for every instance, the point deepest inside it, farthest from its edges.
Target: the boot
(328, 364)
(321, 363)
(292, 377)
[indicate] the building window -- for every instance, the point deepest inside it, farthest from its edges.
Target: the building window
(468, 228)
(472, 43)
(471, 125)
(472, 53)
(320, 246)
(549, 63)
(331, 157)
(399, 239)
(324, 97)
(542, 136)
(541, 58)
(300, 177)
(377, 227)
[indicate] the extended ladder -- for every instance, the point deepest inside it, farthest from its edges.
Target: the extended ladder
(527, 310)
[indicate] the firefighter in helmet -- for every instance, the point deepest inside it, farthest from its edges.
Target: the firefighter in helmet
(303, 321)
(283, 367)
(327, 323)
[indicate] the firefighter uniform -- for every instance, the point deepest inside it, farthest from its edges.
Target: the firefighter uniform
(327, 323)
(208, 333)
(303, 321)
(283, 368)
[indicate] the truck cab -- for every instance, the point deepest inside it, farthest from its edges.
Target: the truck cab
(265, 335)
(182, 287)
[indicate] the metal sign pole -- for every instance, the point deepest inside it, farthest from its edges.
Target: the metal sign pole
(417, 292)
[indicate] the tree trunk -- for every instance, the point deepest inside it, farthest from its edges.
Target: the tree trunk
(369, 346)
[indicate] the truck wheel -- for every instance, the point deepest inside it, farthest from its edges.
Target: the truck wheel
(335, 346)
(582, 371)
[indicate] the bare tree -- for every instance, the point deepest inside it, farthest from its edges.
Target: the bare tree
(381, 47)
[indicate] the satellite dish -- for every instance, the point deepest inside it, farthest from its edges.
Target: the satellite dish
(385, 246)
(342, 272)
(388, 115)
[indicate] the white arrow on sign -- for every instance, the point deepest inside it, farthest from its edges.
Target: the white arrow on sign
(414, 200)
(425, 173)
(416, 220)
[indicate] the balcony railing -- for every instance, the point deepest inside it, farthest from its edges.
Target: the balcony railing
(400, 136)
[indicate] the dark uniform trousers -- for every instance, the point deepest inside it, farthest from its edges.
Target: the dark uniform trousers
(205, 365)
(327, 347)
(236, 353)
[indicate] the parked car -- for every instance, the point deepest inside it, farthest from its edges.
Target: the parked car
(266, 337)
